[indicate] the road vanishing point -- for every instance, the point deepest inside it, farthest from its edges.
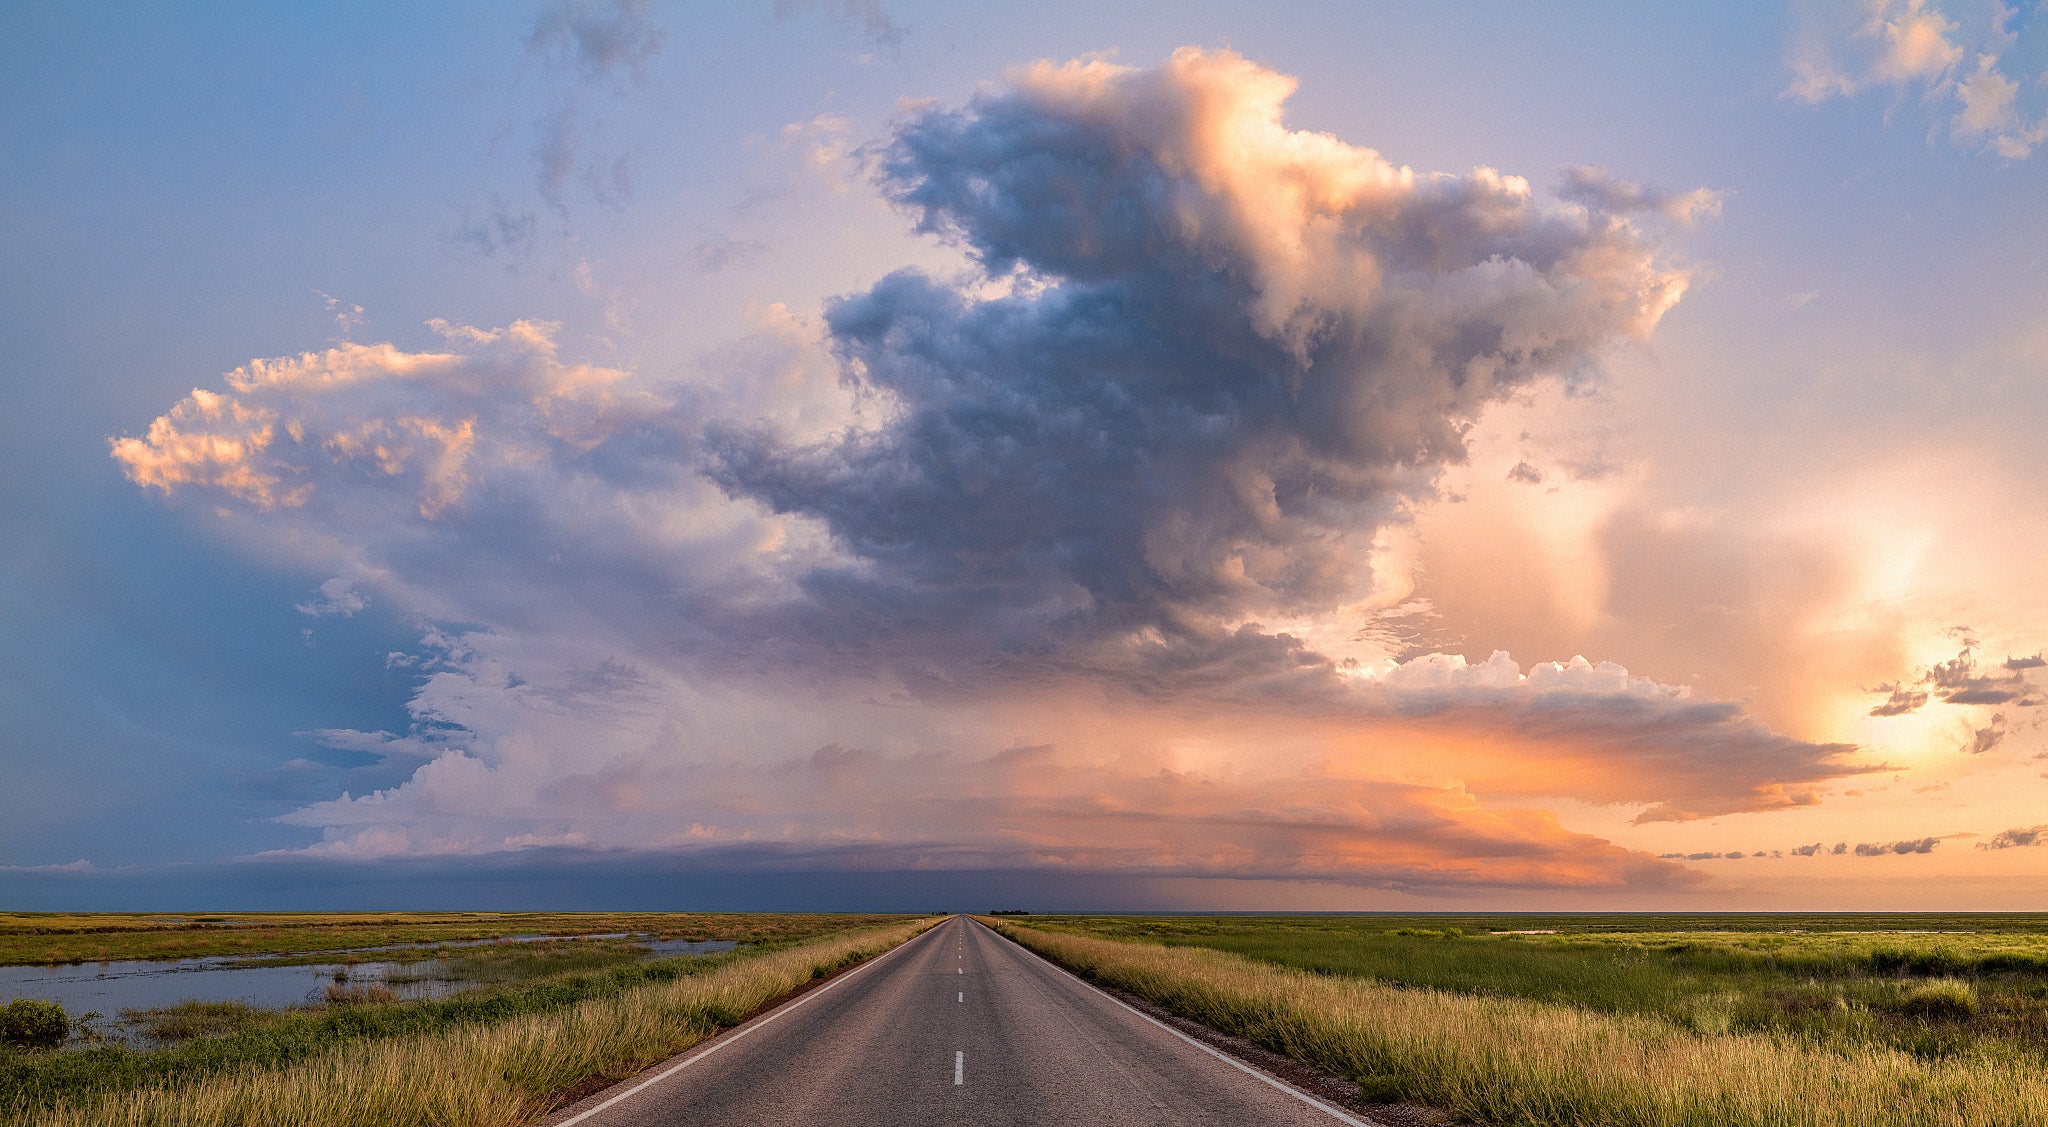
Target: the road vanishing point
(957, 1026)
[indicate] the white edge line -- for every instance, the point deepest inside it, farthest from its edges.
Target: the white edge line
(1226, 1058)
(737, 1033)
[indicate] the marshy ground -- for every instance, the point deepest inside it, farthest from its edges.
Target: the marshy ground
(357, 980)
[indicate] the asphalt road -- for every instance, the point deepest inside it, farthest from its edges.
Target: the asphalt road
(958, 1026)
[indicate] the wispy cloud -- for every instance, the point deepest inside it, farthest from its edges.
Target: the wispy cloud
(601, 44)
(1964, 680)
(874, 21)
(1916, 47)
(2017, 838)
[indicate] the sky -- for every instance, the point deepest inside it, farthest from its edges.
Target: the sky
(875, 454)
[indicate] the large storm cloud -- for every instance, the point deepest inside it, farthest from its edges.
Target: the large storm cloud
(1226, 354)
(1069, 501)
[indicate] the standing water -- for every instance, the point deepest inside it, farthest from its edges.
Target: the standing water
(136, 984)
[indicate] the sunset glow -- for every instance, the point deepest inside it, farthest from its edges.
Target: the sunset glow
(873, 453)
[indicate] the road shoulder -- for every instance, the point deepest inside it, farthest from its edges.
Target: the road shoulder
(1331, 1089)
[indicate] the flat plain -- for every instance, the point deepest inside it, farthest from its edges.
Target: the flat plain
(543, 1003)
(1638, 1020)
(1820, 1019)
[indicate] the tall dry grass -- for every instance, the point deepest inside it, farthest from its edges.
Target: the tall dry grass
(1509, 1061)
(492, 1075)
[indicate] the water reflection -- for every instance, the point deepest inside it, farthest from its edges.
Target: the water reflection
(135, 984)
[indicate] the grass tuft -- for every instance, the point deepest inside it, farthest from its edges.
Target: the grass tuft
(189, 1020)
(1941, 998)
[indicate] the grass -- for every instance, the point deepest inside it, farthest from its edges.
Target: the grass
(40, 938)
(187, 1021)
(516, 962)
(1665, 1029)
(1826, 980)
(525, 1037)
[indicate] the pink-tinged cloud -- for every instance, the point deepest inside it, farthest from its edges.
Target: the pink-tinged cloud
(1022, 808)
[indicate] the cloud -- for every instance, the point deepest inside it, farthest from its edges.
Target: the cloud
(716, 252)
(1240, 350)
(1599, 732)
(2019, 838)
(1914, 46)
(881, 30)
(602, 45)
(498, 229)
(347, 318)
(845, 806)
(1900, 41)
(80, 867)
(1962, 680)
(1899, 701)
(599, 40)
(375, 421)
(1989, 736)
(1919, 845)
(1601, 191)
(337, 596)
(1107, 492)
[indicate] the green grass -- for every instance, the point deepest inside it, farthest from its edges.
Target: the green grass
(533, 979)
(1497, 1059)
(499, 1065)
(1829, 980)
(33, 938)
(187, 1021)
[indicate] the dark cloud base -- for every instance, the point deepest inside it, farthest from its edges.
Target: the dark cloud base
(757, 879)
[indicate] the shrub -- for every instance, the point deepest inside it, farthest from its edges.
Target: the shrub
(33, 1024)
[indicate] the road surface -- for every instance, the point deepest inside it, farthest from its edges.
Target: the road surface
(958, 1026)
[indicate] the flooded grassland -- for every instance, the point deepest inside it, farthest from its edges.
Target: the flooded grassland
(157, 998)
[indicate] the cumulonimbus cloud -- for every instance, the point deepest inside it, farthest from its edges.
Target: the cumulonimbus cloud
(1231, 351)
(1205, 360)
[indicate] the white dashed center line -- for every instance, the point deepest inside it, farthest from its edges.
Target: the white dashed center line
(962, 997)
(959, 1066)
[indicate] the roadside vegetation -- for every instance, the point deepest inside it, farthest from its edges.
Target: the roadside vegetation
(44, 938)
(501, 1054)
(1616, 1020)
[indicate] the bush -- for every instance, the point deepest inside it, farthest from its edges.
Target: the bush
(30, 1023)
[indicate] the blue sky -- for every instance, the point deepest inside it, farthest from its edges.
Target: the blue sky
(704, 589)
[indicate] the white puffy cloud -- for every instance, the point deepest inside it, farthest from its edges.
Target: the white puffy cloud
(1915, 46)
